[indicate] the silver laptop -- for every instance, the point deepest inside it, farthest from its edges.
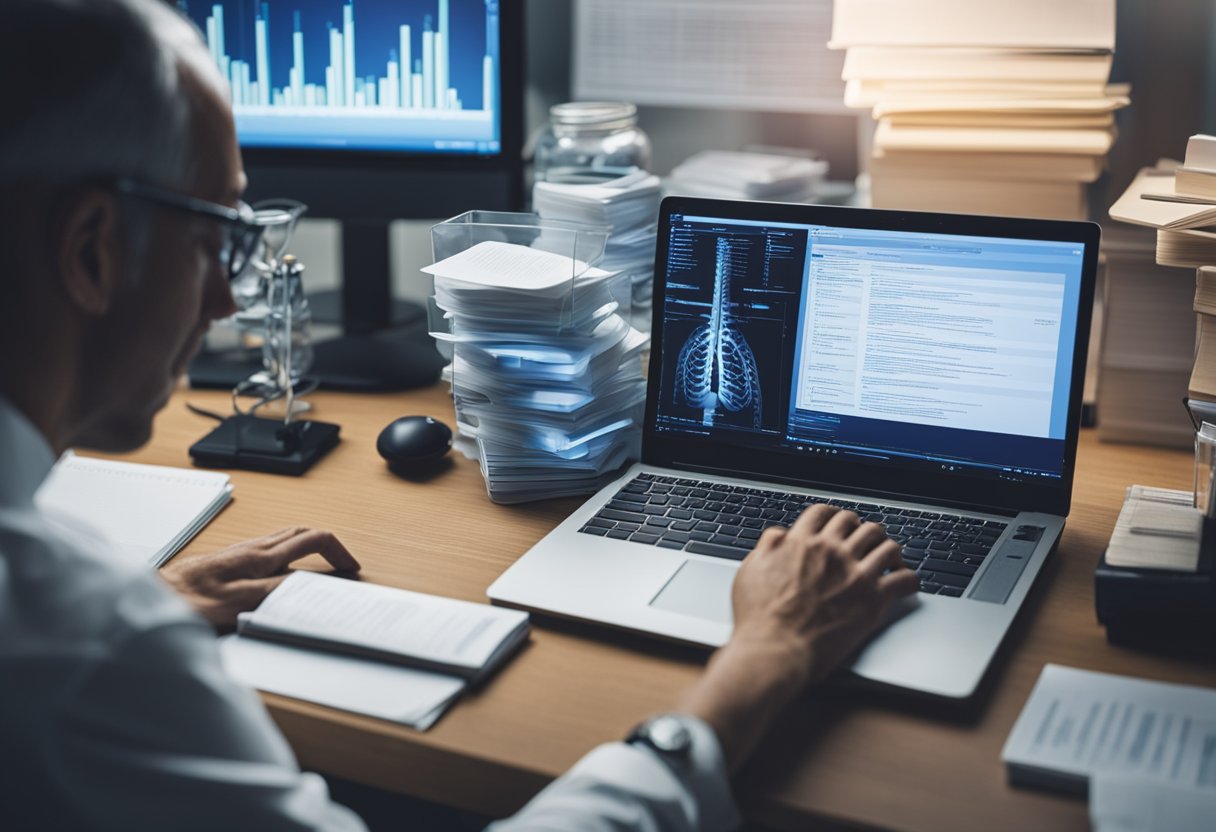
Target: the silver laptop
(923, 370)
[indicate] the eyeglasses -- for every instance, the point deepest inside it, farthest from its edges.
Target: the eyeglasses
(241, 233)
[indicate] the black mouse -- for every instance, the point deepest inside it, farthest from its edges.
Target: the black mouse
(414, 440)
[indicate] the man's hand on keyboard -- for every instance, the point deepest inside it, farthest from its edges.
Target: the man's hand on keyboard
(819, 587)
(804, 600)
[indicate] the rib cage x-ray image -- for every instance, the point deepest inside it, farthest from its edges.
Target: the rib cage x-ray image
(717, 368)
(730, 304)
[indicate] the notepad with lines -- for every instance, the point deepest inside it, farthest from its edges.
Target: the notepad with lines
(148, 512)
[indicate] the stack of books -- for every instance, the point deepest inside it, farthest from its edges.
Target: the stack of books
(1169, 198)
(1202, 387)
(1180, 202)
(628, 203)
(1147, 344)
(999, 107)
(546, 373)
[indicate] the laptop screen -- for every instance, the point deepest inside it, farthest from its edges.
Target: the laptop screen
(897, 351)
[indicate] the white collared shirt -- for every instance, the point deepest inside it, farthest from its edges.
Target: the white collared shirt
(115, 712)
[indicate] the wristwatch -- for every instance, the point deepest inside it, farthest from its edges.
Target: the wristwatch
(666, 734)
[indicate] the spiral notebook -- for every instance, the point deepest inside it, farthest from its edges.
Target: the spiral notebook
(148, 512)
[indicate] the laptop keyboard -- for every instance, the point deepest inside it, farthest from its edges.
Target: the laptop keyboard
(711, 518)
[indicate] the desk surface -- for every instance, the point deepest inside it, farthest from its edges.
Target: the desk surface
(860, 759)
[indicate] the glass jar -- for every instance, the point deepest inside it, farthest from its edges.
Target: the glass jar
(589, 135)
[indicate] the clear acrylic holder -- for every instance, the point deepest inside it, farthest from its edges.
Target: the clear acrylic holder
(537, 371)
(582, 243)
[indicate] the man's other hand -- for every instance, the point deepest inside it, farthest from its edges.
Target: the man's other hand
(804, 600)
(219, 585)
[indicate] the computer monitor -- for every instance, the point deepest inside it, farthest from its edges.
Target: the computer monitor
(372, 111)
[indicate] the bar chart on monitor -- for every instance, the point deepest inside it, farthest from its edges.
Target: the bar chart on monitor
(414, 75)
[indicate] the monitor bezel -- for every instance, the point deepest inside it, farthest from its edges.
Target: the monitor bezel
(669, 450)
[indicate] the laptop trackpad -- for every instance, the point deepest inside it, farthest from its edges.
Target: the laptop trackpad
(699, 588)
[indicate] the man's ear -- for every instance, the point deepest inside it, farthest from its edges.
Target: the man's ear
(88, 250)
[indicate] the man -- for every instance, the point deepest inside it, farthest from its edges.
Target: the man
(118, 236)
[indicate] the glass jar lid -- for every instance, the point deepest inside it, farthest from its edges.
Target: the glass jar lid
(598, 114)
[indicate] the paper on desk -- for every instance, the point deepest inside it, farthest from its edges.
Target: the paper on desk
(399, 694)
(1119, 803)
(1079, 723)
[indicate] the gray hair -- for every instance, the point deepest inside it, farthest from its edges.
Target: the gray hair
(94, 88)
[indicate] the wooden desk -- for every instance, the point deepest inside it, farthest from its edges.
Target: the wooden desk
(857, 759)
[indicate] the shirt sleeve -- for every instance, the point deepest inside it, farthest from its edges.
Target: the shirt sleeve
(156, 736)
(621, 787)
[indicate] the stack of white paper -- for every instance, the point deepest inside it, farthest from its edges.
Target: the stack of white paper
(1000, 107)
(546, 373)
(728, 174)
(629, 204)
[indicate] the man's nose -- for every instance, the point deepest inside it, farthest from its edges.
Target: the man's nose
(218, 302)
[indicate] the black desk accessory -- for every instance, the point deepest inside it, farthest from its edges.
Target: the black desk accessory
(412, 443)
(260, 444)
(1159, 608)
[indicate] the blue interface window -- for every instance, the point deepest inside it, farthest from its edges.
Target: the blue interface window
(930, 345)
(386, 75)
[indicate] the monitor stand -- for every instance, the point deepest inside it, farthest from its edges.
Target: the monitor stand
(385, 345)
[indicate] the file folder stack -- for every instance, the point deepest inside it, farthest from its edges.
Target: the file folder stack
(546, 373)
(1000, 107)
(627, 203)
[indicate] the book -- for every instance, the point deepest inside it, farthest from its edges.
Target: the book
(1079, 24)
(903, 189)
(1189, 248)
(1113, 98)
(1205, 290)
(995, 89)
(1081, 724)
(396, 626)
(1147, 344)
(375, 650)
(1002, 119)
(1069, 167)
(960, 62)
(1201, 153)
(1081, 141)
(1198, 182)
(1203, 377)
(1134, 207)
(148, 512)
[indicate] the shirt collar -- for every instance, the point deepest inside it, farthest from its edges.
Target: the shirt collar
(27, 457)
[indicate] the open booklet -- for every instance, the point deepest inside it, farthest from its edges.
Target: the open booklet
(385, 652)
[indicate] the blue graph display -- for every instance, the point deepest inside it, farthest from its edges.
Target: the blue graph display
(413, 75)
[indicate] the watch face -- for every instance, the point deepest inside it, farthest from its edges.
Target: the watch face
(667, 733)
